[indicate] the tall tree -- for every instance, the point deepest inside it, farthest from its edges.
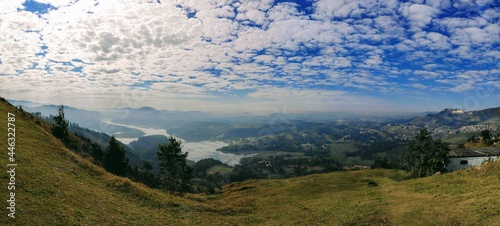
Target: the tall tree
(115, 160)
(175, 175)
(426, 156)
(60, 129)
(486, 134)
(97, 153)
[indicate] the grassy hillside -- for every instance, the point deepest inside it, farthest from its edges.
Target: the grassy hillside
(345, 198)
(57, 187)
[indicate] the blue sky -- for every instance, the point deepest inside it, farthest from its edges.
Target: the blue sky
(253, 56)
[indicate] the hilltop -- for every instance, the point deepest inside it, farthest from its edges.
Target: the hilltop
(57, 186)
(451, 121)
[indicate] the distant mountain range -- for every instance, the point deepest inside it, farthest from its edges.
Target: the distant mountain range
(459, 120)
(196, 125)
(148, 116)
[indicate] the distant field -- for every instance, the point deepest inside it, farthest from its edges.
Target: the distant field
(460, 138)
(267, 154)
(337, 151)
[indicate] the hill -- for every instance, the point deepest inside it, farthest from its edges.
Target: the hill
(345, 198)
(103, 140)
(450, 121)
(57, 186)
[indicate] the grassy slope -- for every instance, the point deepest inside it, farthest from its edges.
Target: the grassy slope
(55, 186)
(344, 198)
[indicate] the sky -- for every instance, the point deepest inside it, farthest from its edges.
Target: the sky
(255, 56)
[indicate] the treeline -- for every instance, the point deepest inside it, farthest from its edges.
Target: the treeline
(175, 175)
(114, 160)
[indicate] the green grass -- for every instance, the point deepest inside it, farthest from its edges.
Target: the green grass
(344, 198)
(267, 154)
(460, 138)
(338, 150)
(221, 169)
(57, 187)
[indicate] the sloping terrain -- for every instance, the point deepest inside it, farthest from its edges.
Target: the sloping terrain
(54, 186)
(468, 197)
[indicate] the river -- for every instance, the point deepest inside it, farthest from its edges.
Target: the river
(196, 150)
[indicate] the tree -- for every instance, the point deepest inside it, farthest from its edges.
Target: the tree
(200, 167)
(97, 153)
(426, 156)
(60, 129)
(175, 175)
(146, 166)
(145, 175)
(242, 173)
(486, 134)
(381, 163)
(115, 160)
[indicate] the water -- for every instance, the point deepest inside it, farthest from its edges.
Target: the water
(196, 150)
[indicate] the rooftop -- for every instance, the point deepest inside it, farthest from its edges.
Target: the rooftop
(474, 152)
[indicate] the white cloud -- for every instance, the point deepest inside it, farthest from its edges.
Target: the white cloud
(226, 46)
(418, 15)
(463, 87)
(420, 86)
(304, 100)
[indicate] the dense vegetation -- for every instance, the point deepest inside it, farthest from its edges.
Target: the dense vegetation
(175, 175)
(426, 156)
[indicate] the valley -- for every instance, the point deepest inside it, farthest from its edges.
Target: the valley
(280, 145)
(54, 185)
(197, 150)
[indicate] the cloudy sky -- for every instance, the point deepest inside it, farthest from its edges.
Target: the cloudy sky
(259, 56)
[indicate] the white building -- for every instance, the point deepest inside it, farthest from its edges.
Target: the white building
(462, 158)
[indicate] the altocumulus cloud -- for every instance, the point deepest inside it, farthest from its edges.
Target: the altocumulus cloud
(217, 55)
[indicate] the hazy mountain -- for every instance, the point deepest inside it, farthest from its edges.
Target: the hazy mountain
(197, 126)
(456, 118)
(147, 116)
(85, 118)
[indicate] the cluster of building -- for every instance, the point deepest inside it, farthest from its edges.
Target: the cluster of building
(475, 128)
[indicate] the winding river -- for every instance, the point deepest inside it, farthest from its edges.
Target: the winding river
(197, 150)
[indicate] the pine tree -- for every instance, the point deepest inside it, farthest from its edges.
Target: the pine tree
(97, 153)
(175, 175)
(115, 160)
(60, 129)
(486, 134)
(426, 156)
